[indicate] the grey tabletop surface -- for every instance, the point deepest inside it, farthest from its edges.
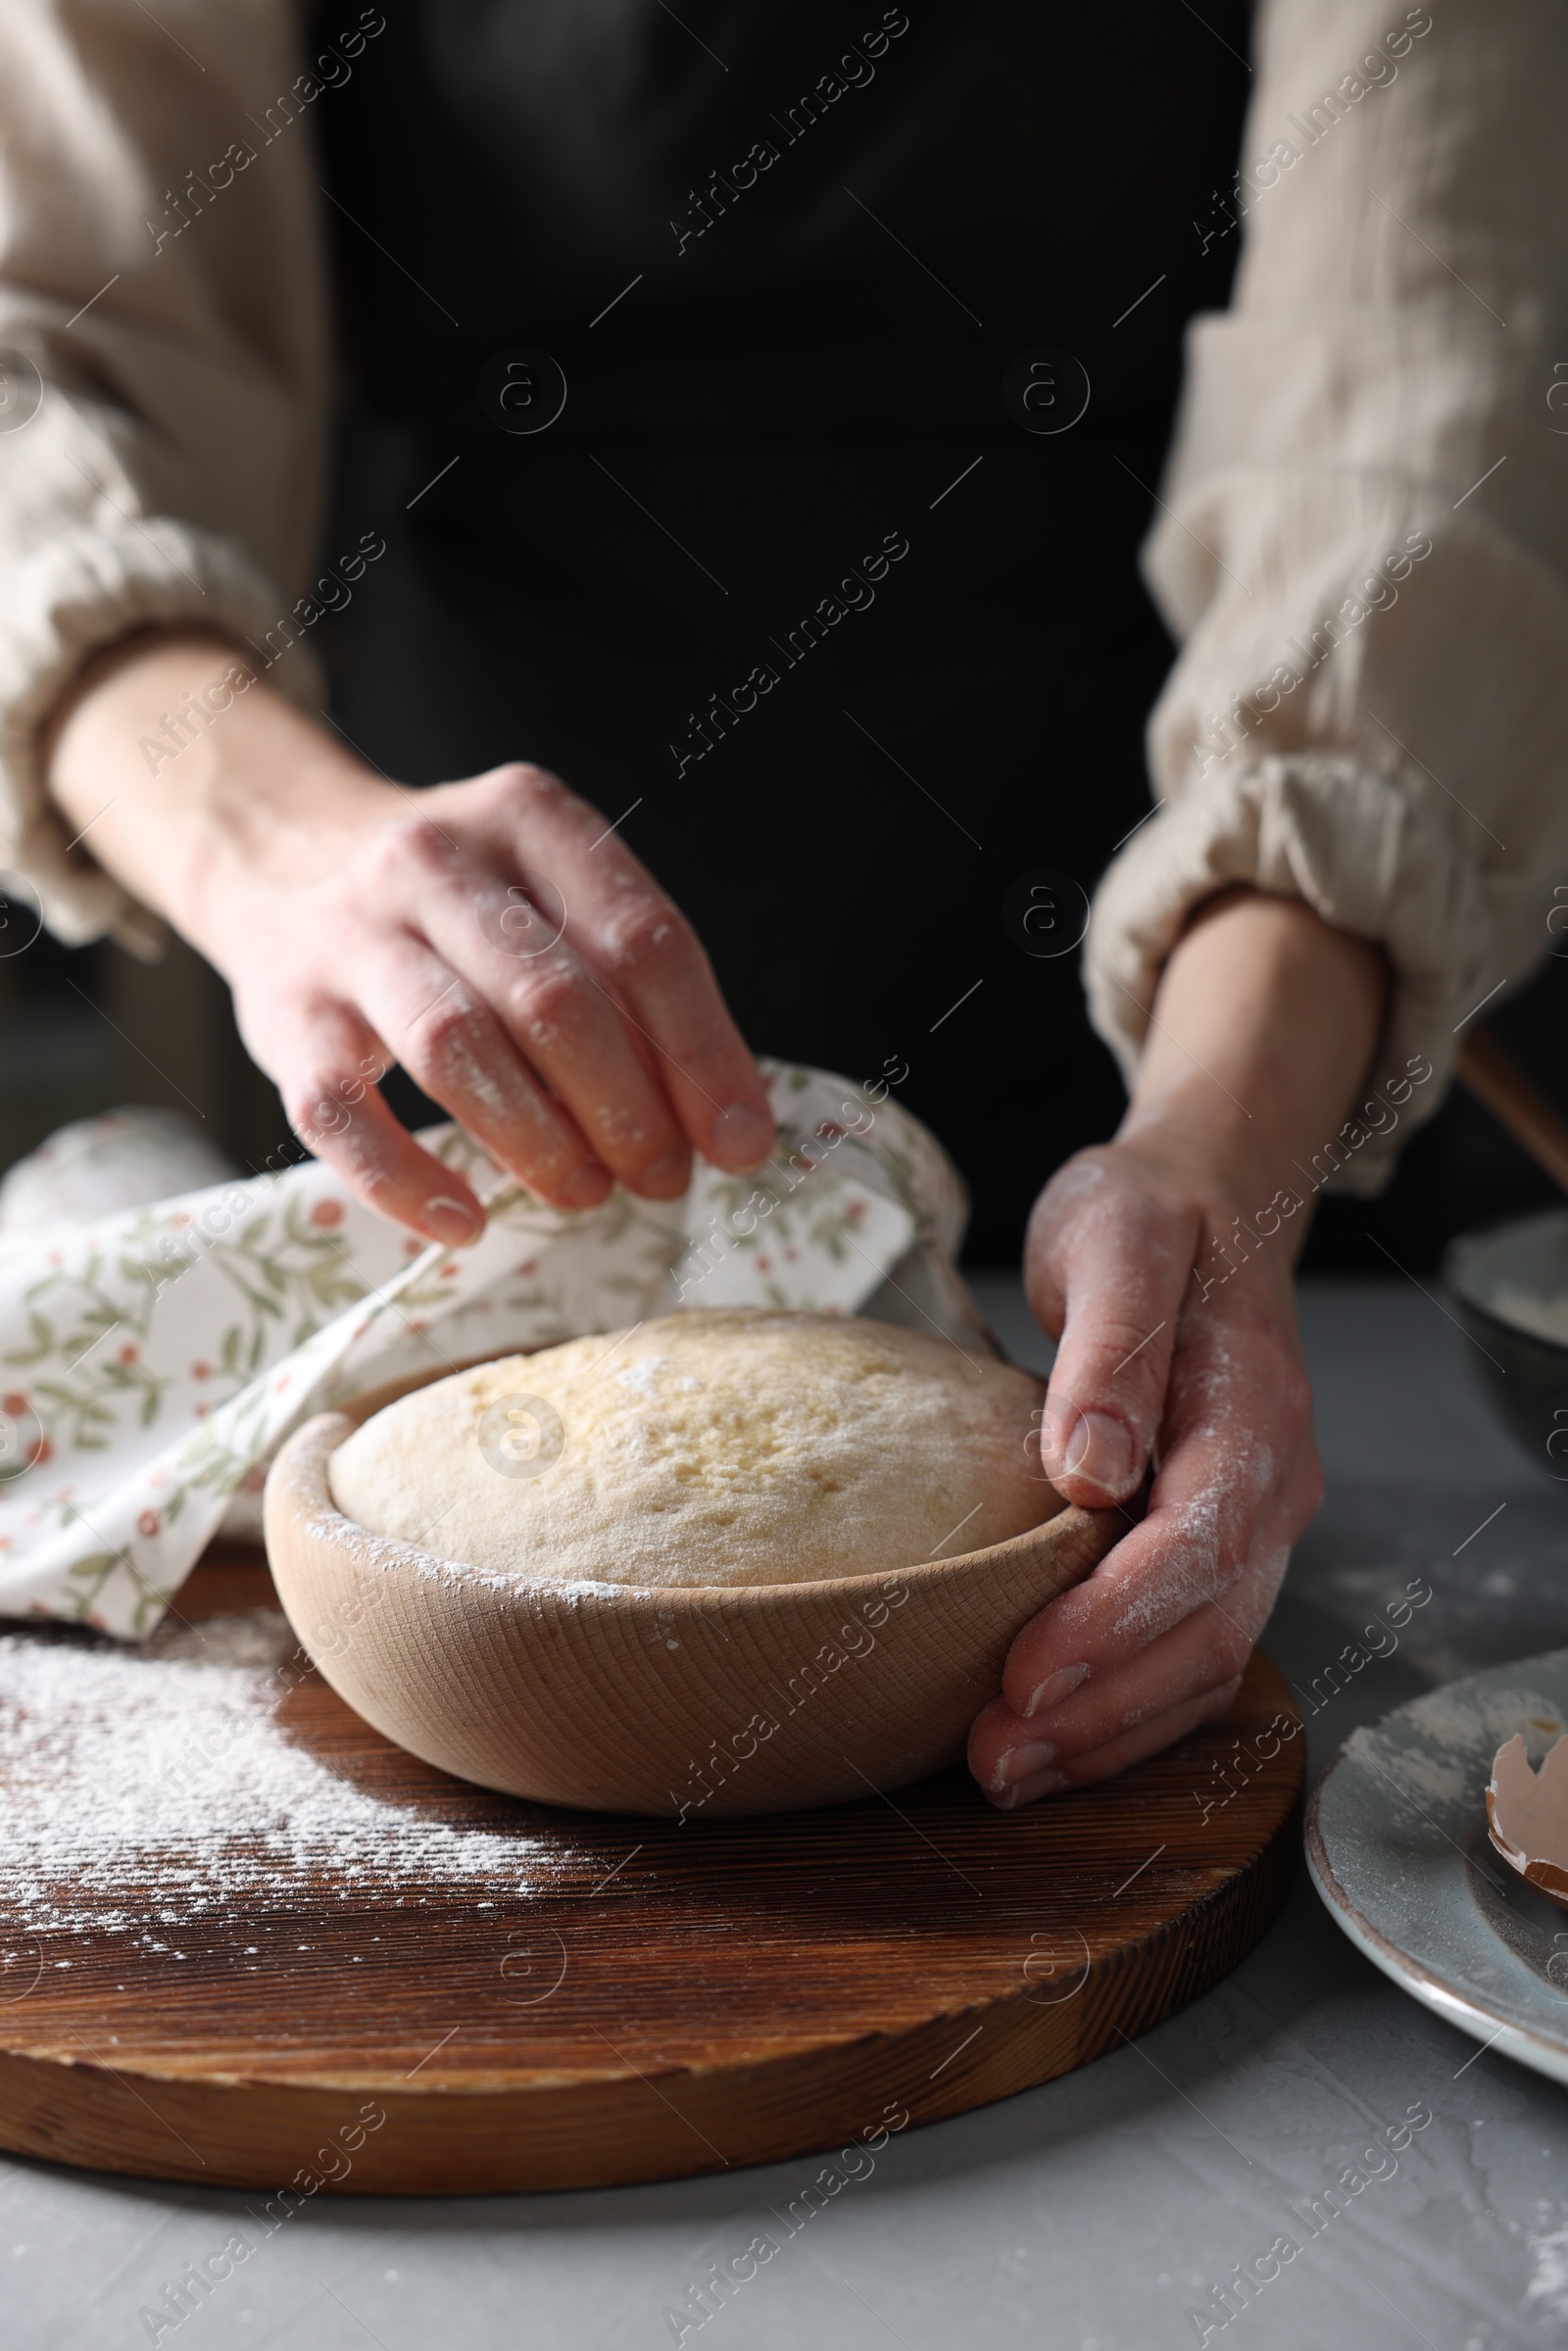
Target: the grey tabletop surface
(1101, 2212)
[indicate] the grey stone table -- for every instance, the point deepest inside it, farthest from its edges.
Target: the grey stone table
(1096, 2213)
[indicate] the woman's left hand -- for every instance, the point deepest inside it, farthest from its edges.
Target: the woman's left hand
(1214, 1389)
(1162, 1264)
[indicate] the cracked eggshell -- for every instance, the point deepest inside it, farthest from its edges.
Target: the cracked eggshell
(1528, 1815)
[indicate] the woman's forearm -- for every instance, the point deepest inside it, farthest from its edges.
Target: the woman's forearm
(1264, 1029)
(185, 768)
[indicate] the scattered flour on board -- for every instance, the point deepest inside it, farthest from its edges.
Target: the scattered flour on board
(163, 1780)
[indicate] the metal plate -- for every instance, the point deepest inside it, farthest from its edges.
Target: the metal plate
(1397, 1843)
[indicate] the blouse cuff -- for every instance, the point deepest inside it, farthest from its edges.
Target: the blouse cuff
(1372, 855)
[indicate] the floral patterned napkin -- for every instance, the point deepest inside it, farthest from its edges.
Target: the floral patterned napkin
(154, 1359)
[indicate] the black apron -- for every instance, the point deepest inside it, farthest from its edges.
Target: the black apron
(817, 570)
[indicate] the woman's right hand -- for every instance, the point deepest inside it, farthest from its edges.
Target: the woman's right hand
(493, 936)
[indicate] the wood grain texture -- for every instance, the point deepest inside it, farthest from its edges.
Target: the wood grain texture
(668, 2000)
(747, 1698)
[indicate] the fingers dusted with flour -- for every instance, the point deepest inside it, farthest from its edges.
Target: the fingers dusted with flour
(645, 955)
(494, 937)
(1157, 1639)
(1213, 1391)
(1106, 1264)
(1169, 1287)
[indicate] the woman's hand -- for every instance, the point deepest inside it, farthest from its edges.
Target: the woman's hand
(1162, 1262)
(493, 936)
(1156, 1640)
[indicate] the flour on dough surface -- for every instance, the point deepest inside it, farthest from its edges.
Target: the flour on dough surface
(738, 1446)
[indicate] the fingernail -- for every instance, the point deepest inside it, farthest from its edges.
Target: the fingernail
(668, 1176)
(741, 1134)
(452, 1220)
(1100, 1451)
(1054, 1687)
(1024, 1791)
(587, 1187)
(1018, 1762)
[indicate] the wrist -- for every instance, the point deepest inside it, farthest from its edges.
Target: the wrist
(1266, 1021)
(199, 782)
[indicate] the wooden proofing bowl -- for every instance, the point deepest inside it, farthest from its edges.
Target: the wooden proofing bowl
(691, 1703)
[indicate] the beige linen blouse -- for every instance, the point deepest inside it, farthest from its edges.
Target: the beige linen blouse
(1362, 539)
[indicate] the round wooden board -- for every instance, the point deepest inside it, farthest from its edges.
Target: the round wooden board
(659, 2000)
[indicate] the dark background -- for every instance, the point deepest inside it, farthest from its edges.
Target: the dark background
(742, 427)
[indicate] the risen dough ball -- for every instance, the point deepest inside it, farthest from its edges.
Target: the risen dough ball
(738, 1446)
